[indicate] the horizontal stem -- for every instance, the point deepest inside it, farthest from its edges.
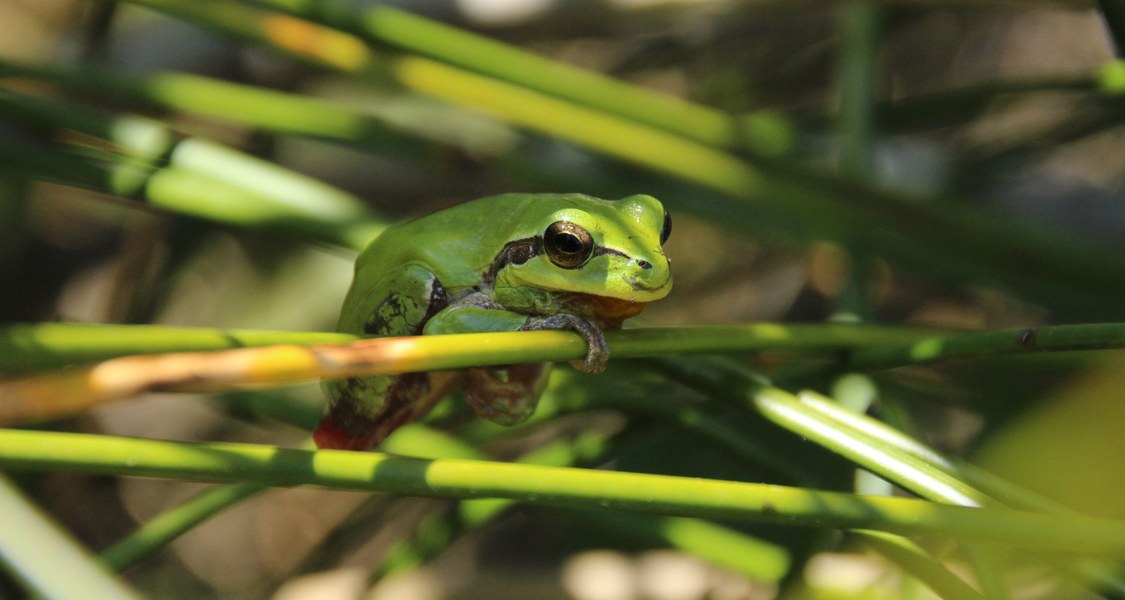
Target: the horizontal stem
(555, 486)
(27, 347)
(942, 347)
(296, 357)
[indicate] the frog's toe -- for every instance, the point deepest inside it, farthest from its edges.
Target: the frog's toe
(597, 349)
(506, 396)
(597, 358)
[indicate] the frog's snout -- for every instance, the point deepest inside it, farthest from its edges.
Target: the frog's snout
(647, 263)
(643, 277)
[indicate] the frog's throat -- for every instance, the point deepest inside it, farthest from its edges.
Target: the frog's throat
(608, 312)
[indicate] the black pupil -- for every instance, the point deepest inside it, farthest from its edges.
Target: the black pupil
(667, 230)
(568, 243)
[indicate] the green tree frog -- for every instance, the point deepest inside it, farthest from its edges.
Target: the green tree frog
(505, 263)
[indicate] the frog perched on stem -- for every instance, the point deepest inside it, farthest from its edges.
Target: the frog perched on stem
(505, 263)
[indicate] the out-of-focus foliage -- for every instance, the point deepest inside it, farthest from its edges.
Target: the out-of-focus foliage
(946, 165)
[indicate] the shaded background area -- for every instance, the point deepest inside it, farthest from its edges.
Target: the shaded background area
(1007, 110)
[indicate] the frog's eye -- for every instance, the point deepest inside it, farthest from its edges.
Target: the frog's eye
(667, 229)
(568, 245)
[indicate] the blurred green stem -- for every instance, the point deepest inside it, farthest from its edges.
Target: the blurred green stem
(856, 79)
(729, 380)
(193, 177)
(376, 127)
(164, 528)
(436, 40)
(916, 561)
(46, 560)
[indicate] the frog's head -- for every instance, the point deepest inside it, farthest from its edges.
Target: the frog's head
(582, 245)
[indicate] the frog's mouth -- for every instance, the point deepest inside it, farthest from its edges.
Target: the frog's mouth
(608, 312)
(640, 287)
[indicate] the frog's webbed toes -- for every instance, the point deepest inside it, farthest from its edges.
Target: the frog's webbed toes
(597, 352)
(507, 396)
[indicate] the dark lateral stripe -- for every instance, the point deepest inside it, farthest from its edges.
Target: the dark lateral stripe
(515, 252)
(600, 250)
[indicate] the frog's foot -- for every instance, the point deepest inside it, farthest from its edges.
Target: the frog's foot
(365, 410)
(507, 395)
(597, 353)
(347, 423)
(330, 435)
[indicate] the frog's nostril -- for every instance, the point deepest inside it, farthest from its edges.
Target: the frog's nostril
(644, 264)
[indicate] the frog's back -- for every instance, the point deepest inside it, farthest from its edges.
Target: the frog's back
(449, 248)
(460, 242)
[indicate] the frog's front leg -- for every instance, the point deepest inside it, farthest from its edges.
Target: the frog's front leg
(508, 395)
(597, 349)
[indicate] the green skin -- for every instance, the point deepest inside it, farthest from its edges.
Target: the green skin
(505, 263)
